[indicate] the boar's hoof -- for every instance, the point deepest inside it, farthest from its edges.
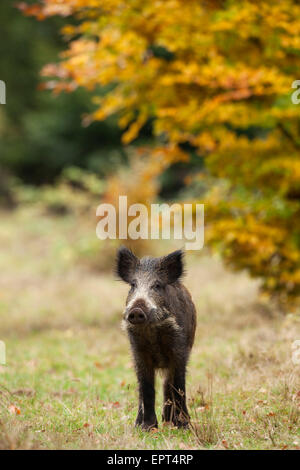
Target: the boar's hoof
(181, 421)
(182, 424)
(147, 425)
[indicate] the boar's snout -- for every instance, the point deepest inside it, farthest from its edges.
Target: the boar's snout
(136, 316)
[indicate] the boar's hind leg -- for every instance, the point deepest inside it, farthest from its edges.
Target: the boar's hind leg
(146, 417)
(140, 416)
(181, 416)
(168, 405)
(175, 409)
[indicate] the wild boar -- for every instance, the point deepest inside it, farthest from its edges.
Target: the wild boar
(160, 320)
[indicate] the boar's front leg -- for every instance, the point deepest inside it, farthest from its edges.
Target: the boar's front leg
(146, 417)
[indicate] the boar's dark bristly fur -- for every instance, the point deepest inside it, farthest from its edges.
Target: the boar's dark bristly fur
(160, 320)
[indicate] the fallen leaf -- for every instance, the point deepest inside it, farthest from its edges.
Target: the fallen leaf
(154, 430)
(116, 404)
(225, 444)
(28, 392)
(14, 410)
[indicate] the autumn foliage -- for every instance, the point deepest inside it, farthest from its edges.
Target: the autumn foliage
(214, 76)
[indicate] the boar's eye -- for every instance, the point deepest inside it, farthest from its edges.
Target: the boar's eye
(133, 285)
(157, 286)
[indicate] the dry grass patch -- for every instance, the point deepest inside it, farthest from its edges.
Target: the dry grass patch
(69, 369)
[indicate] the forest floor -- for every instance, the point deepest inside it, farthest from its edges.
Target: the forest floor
(69, 382)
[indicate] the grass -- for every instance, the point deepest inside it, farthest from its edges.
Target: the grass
(69, 382)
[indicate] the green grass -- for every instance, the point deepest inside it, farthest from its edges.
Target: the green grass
(69, 371)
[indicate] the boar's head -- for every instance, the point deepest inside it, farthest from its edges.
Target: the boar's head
(148, 300)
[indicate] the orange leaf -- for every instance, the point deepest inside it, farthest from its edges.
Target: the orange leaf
(98, 365)
(14, 410)
(225, 444)
(116, 404)
(154, 430)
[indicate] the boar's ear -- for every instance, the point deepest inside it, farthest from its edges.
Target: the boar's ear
(171, 266)
(126, 264)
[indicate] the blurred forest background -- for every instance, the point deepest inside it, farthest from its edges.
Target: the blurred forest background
(189, 106)
(176, 101)
(42, 135)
